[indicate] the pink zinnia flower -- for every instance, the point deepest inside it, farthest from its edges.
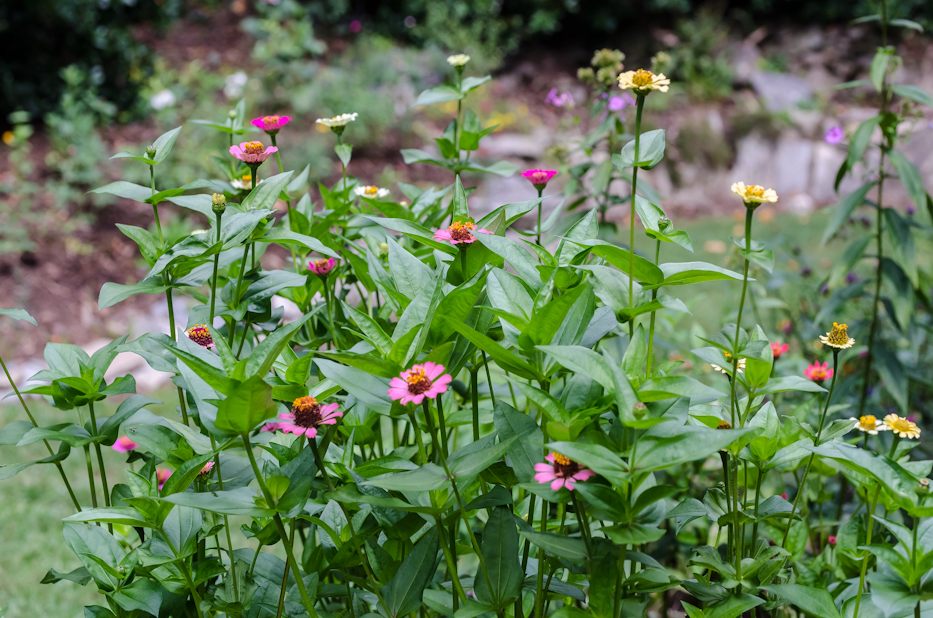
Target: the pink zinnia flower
(831, 540)
(162, 475)
(561, 472)
(459, 233)
(620, 102)
(201, 336)
(818, 373)
(427, 380)
(271, 124)
(124, 445)
(539, 178)
(784, 495)
(252, 152)
(564, 99)
(307, 415)
(834, 135)
(322, 267)
(779, 350)
(206, 470)
(272, 427)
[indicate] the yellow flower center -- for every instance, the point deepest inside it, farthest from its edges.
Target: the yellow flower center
(643, 78)
(839, 335)
(270, 119)
(561, 460)
(246, 179)
(461, 231)
(901, 425)
(253, 148)
(868, 422)
(371, 191)
(418, 381)
(755, 191)
(724, 425)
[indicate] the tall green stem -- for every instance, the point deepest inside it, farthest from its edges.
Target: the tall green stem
(219, 218)
(816, 442)
(183, 567)
(417, 431)
(155, 207)
(879, 236)
(474, 395)
(748, 247)
(48, 446)
(451, 563)
(100, 460)
(654, 296)
(639, 106)
(90, 475)
(864, 569)
(540, 191)
(283, 533)
(220, 483)
(757, 499)
(584, 529)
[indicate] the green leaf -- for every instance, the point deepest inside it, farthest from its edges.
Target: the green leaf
(500, 553)
(246, 407)
(843, 210)
(126, 190)
(369, 389)
(426, 478)
(163, 146)
(142, 594)
(19, 314)
(642, 270)
(879, 67)
(284, 236)
(266, 194)
(126, 516)
(506, 359)
(239, 501)
(910, 177)
(914, 93)
(477, 456)
(685, 273)
(650, 151)
(815, 601)
(416, 232)
(556, 544)
(525, 452)
(666, 444)
(438, 94)
(459, 209)
(516, 255)
(595, 457)
(265, 354)
(113, 293)
(403, 595)
(344, 153)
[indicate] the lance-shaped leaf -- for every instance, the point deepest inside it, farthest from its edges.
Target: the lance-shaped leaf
(246, 407)
(403, 595)
(500, 554)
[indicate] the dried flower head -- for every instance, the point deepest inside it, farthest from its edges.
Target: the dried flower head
(643, 81)
(838, 337)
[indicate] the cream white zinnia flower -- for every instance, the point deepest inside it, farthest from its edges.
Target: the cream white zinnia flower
(372, 192)
(338, 121)
(458, 60)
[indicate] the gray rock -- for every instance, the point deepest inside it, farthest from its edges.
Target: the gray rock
(781, 91)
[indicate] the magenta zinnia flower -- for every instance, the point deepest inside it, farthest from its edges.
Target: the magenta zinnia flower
(539, 178)
(124, 445)
(206, 470)
(561, 472)
(818, 373)
(834, 135)
(459, 233)
(563, 99)
(252, 152)
(271, 124)
(201, 336)
(272, 427)
(620, 102)
(162, 475)
(307, 415)
(779, 349)
(322, 267)
(427, 380)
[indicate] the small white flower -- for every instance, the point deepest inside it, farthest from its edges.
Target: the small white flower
(338, 121)
(198, 232)
(458, 60)
(234, 84)
(371, 192)
(245, 183)
(162, 99)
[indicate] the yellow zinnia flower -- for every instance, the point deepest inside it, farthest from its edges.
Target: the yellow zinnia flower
(902, 427)
(754, 194)
(838, 337)
(868, 424)
(643, 80)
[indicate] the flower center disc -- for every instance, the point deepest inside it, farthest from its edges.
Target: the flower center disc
(756, 191)
(839, 335)
(253, 148)
(461, 231)
(868, 421)
(642, 78)
(307, 412)
(418, 382)
(564, 467)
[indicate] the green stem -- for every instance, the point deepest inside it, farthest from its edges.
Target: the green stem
(443, 426)
(90, 475)
(219, 217)
(171, 328)
(474, 395)
(639, 106)
(540, 591)
(183, 567)
(584, 532)
(871, 523)
(417, 431)
(286, 542)
(32, 420)
(155, 207)
(869, 357)
(100, 460)
(620, 579)
(757, 499)
(451, 563)
(492, 393)
(654, 296)
(802, 486)
(724, 456)
(748, 247)
(246, 328)
(220, 483)
(236, 290)
(540, 191)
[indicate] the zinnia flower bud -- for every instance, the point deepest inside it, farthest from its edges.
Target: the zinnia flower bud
(923, 487)
(150, 151)
(219, 203)
(231, 114)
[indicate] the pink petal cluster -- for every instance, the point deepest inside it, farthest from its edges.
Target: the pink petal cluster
(459, 233)
(427, 380)
(162, 475)
(561, 472)
(307, 415)
(539, 178)
(124, 445)
(252, 152)
(834, 136)
(817, 372)
(779, 349)
(620, 102)
(322, 267)
(206, 470)
(271, 123)
(272, 427)
(563, 99)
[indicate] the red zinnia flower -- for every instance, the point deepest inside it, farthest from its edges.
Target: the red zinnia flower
(818, 373)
